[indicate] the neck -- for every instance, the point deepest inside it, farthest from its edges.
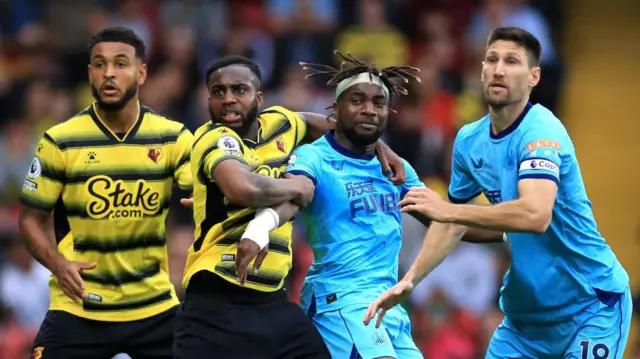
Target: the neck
(343, 141)
(252, 132)
(503, 117)
(120, 120)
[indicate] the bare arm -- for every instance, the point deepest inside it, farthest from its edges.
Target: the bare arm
(32, 224)
(317, 125)
(471, 235)
(440, 240)
(243, 187)
(531, 212)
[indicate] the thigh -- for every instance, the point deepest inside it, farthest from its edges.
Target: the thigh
(507, 343)
(398, 326)
(295, 333)
(150, 338)
(65, 336)
(605, 334)
(345, 333)
(206, 327)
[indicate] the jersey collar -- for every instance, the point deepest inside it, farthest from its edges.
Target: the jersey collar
(346, 152)
(507, 131)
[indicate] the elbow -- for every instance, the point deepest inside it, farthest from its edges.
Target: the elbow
(539, 221)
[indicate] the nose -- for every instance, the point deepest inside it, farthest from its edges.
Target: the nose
(368, 109)
(109, 72)
(500, 69)
(229, 98)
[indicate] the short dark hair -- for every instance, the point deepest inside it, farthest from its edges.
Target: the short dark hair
(231, 60)
(521, 37)
(122, 35)
(387, 75)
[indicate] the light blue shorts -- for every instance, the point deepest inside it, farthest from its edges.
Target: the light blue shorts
(347, 337)
(599, 332)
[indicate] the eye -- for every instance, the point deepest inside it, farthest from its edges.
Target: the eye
(98, 65)
(240, 90)
(121, 65)
(356, 101)
(218, 93)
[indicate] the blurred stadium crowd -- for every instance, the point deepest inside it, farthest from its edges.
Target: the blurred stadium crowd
(43, 80)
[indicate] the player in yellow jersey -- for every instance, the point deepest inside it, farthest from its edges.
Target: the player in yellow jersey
(107, 175)
(237, 162)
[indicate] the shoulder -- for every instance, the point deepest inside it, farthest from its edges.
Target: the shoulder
(217, 135)
(75, 126)
(470, 132)
(280, 112)
(544, 125)
(162, 123)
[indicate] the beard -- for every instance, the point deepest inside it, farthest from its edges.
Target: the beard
(360, 140)
(247, 122)
(129, 93)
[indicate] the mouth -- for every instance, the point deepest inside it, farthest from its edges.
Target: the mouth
(497, 87)
(367, 126)
(109, 89)
(230, 116)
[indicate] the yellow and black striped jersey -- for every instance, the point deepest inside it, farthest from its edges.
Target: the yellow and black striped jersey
(219, 225)
(110, 197)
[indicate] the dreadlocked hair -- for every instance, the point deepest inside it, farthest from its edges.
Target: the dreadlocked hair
(350, 66)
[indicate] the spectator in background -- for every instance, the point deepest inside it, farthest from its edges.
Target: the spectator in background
(16, 153)
(373, 40)
(298, 94)
(24, 276)
(304, 29)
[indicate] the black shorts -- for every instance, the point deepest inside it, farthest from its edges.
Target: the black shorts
(221, 320)
(65, 336)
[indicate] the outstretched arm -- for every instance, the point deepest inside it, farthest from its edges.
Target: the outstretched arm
(243, 187)
(472, 235)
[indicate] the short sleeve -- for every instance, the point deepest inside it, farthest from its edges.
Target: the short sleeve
(303, 161)
(182, 159)
(216, 146)
(298, 124)
(412, 179)
(539, 154)
(46, 176)
(462, 187)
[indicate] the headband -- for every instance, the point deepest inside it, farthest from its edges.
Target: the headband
(363, 77)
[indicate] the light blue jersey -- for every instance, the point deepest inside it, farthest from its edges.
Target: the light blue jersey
(354, 228)
(569, 271)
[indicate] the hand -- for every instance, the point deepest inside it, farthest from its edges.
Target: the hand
(306, 189)
(68, 274)
(389, 299)
(187, 202)
(392, 164)
(247, 250)
(427, 203)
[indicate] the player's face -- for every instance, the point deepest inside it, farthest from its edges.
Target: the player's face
(115, 74)
(362, 112)
(506, 75)
(234, 98)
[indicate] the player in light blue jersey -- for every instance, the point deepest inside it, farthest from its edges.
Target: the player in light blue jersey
(354, 222)
(566, 294)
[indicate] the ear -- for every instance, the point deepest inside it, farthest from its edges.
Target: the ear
(259, 98)
(335, 110)
(89, 74)
(142, 74)
(482, 72)
(534, 79)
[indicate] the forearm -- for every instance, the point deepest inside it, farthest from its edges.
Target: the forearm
(38, 243)
(510, 216)
(472, 235)
(286, 211)
(317, 125)
(266, 192)
(440, 240)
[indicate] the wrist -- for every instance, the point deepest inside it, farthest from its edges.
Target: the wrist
(265, 220)
(451, 213)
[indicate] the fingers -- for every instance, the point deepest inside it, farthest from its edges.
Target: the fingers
(380, 316)
(187, 202)
(411, 208)
(75, 284)
(69, 293)
(406, 201)
(371, 312)
(242, 262)
(386, 168)
(258, 262)
(87, 266)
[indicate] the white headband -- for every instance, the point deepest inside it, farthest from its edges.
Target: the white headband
(363, 77)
